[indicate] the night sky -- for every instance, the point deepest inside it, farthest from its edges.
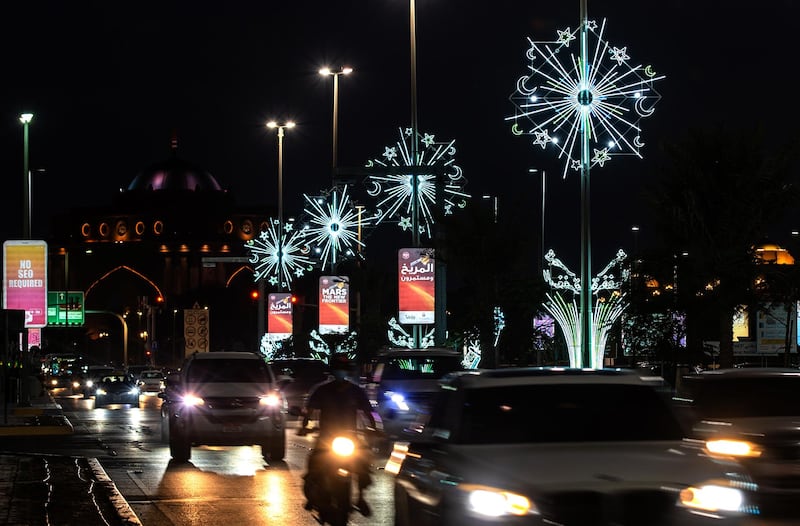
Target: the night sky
(109, 84)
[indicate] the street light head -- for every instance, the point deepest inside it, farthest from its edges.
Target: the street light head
(272, 124)
(25, 118)
(325, 71)
(290, 124)
(347, 70)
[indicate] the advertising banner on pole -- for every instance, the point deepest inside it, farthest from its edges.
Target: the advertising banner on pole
(334, 304)
(416, 288)
(279, 316)
(25, 280)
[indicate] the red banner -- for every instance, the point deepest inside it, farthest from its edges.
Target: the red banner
(279, 317)
(25, 283)
(415, 274)
(334, 304)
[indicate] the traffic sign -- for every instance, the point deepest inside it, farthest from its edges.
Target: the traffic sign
(65, 308)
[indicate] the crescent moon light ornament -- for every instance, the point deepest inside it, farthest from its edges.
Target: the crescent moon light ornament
(649, 71)
(641, 110)
(515, 129)
(637, 141)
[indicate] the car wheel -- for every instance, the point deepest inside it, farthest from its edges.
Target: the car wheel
(180, 449)
(274, 448)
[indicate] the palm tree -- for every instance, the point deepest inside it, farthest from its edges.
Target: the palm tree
(714, 200)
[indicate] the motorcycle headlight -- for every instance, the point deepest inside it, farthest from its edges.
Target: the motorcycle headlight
(496, 502)
(101, 391)
(397, 399)
(343, 446)
(733, 448)
(270, 400)
(192, 400)
(713, 496)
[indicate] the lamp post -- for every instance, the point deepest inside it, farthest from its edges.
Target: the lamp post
(25, 119)
(335, 74)
(280, 128)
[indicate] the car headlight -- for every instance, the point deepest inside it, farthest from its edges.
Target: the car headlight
(733, 448)
(343, 446)
(101, 391)
(135, 390)
(53, 382)
(496, 502)
(271, 400)
(192, 400)
(713, 496)
(76, 385)
(398, 399)
(89, 383)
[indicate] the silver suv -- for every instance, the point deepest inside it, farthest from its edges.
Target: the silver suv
(224, 398)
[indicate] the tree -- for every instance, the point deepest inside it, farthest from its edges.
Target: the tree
(716, 197)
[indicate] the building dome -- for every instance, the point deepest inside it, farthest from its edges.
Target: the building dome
(174, 175)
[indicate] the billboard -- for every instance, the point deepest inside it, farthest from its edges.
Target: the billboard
(334, 304)
(279, 316)
(415, 274)
(25, 280)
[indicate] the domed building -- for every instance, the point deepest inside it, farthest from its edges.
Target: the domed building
(173, 239)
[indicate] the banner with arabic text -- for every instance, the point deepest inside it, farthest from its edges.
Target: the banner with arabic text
(415, 273)
(279, 317)
(334, 304)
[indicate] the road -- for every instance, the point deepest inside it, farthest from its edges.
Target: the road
(220, 485)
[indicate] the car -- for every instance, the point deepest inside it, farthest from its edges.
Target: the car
(151, 381)
(86, 383)
(540, 446)
(224, 399)
(403, 383)
(305, 373)
(136, 370)
(753, 415)
(118, 388)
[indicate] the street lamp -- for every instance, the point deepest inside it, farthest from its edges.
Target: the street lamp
(335, 74)
(25, 119)
(280, 127)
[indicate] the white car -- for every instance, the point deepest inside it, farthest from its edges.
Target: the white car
(560, 447)
(151, 381)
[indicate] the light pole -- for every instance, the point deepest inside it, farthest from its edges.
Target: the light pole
(335, 74)
(25, 119)
(281, 128)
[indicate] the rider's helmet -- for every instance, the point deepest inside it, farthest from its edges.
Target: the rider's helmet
(341, 365)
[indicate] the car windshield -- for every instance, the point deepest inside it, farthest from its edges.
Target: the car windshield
(565, 413)
(420, 367)
(748, 397)
(224, 370)
(117, 378)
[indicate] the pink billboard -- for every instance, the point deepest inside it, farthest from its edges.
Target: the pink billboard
(25, 280)
(415, 274)
(279, 317)
(334, 304)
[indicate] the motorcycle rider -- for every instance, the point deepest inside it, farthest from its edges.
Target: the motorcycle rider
(338, 401)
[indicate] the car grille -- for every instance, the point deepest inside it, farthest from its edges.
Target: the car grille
(232, 403)
(629, 508)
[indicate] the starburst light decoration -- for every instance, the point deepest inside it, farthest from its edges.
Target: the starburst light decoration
(332, 227)
(399, 337)
(393, 189)
(293, 263)
(607, 307)
(614, 93)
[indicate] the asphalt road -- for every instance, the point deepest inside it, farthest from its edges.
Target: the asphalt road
(221, 485)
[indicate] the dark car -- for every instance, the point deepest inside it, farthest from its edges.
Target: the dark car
(117, 389)
(752, 415)
(86, 383)
(305, 374)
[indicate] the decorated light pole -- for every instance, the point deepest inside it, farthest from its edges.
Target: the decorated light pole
(588, 110)
(280, 128)
(335, 74)
(25, 119)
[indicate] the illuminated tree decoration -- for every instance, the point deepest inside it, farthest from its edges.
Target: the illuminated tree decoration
(607, 309)
(321, 350)
(399, 337)
(332, 227)
(393, 190)
(552, 98)
(295, 261)
(275, 349)
(472, 351)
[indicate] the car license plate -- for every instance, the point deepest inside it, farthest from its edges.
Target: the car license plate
(230, 428)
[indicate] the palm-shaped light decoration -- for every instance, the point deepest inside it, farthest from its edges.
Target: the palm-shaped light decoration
(393, 187)
(612, 93)
(587, 108)
(332, 227)
(295, 261)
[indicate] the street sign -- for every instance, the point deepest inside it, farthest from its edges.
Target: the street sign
(65, 308)
(196, 330)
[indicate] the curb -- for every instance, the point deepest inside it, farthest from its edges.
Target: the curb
(124, 511)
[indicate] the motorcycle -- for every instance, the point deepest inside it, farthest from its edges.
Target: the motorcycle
(334, 465)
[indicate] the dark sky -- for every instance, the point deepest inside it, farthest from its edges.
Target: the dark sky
(110, 81)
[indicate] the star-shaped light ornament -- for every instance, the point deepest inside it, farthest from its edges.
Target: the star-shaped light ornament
(392, 186)
(264, 250)
(556, 94)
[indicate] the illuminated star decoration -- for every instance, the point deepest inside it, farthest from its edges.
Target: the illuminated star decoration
(332, 227)
(553, 96)
(264, 254)
(393, 189)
